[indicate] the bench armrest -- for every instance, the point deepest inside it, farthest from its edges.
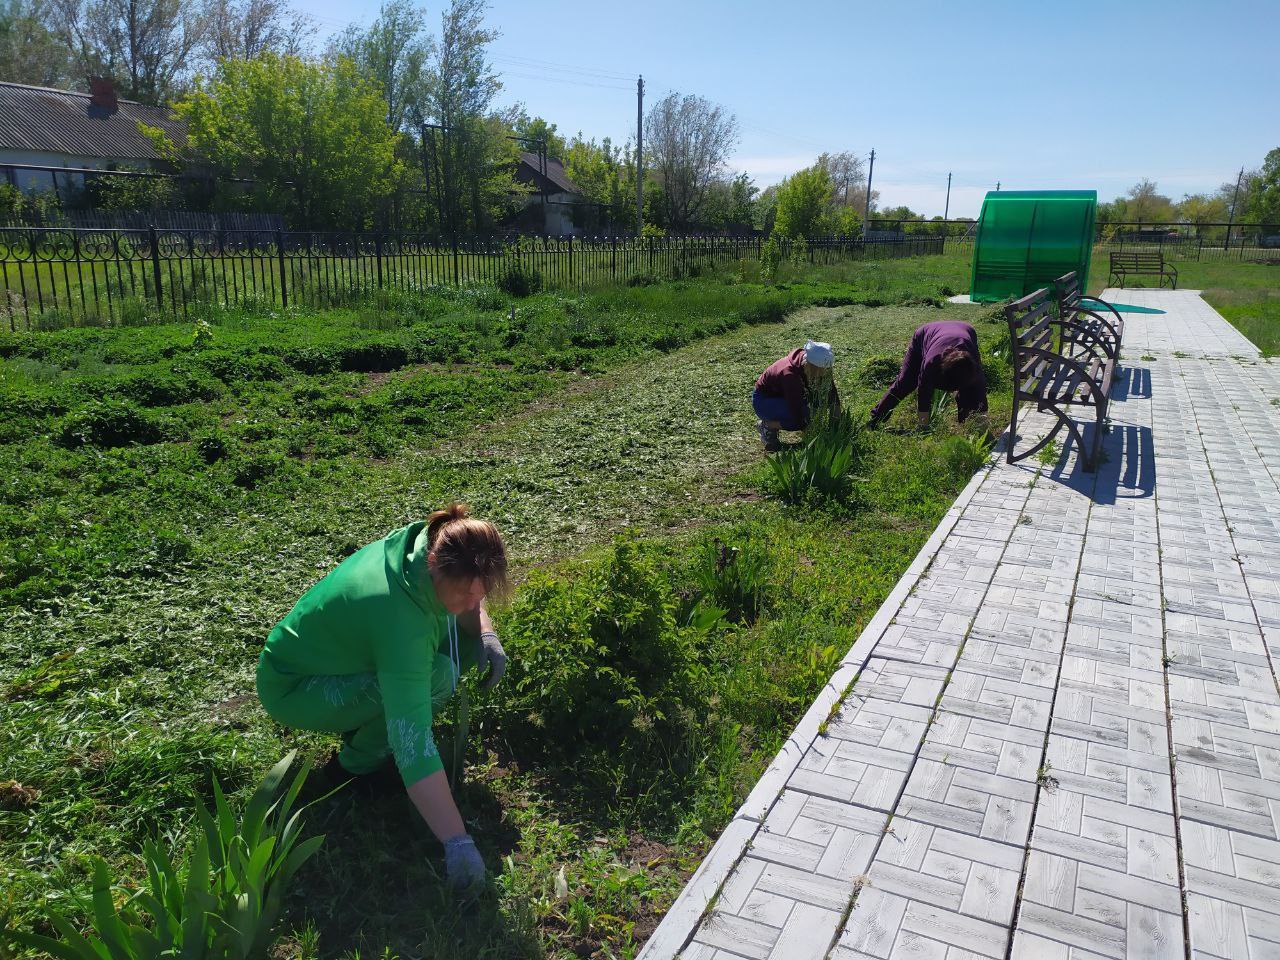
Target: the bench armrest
(1107, 324)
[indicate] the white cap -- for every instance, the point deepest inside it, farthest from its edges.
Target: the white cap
(819, 354)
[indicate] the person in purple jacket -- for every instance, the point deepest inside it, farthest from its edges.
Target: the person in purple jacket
(943, 355)
(790, 389)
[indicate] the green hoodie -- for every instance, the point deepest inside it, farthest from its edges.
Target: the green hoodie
(377, 612)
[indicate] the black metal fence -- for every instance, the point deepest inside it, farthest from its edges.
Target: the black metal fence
(55, 278)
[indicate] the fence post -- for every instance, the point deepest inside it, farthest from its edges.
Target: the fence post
(454, 240)
(377, 250)
(613, 258)
(284, 276)
(155, 264)
(571, 261)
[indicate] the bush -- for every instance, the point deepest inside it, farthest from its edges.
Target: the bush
(732, 578)
(518, 280)
(212, 446)
(165, 389)
(224, 904)
(600, 665)
(965, 455)
(879, 371)
(822, 468)
(107, 424)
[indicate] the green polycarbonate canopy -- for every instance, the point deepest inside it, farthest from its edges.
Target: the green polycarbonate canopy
(1028, 238)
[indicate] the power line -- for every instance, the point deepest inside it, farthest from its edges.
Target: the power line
(576, 83)
(530, 62)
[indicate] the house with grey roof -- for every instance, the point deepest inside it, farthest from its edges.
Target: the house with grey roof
(550, 206)
(46, 135)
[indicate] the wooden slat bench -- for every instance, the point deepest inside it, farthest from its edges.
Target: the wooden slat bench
(1059, 362)
(1096, 322)
(1124, 265)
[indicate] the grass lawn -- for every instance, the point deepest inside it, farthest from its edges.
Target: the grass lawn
(169, 492)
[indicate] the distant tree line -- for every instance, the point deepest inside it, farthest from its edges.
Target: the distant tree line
(1257, 200)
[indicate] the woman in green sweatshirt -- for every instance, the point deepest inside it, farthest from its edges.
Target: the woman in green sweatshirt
(378, 645)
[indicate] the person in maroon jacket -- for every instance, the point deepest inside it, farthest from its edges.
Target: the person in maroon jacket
(790, 389)
(943, 355)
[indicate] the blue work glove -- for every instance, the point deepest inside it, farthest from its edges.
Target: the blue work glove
(495, 657)
(464, 867)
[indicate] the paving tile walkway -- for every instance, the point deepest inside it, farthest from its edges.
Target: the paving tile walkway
(1060, 735)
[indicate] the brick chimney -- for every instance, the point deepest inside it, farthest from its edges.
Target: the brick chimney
(102, 96)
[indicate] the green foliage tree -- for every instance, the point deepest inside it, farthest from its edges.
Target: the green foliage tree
(804, 201)
(1145, 203)
(688, 143)
(146, 46)
(394, 52)
(471, 162)
(30, 52)
(1200, 208)
(313, 136)
(536, 128)
(607, 177)
(1263, 199)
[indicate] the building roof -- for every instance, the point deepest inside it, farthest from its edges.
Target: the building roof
(557, 181)
(65, 121)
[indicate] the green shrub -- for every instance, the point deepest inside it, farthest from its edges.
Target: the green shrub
(223, 905)
(964, 455)
(601, 666)
(211, 446)
(106, 424)
(518, 280)
(165, 389)
(879, 371)
(823, 467)
(733, 578)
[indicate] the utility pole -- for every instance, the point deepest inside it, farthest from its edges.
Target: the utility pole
(947, 209)
(1231, 217)
(866, 211)
(639, 155)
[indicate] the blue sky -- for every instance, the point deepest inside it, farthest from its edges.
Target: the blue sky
(1084, 95)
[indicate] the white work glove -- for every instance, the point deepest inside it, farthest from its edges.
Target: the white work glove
(495, 657)
(464, 867)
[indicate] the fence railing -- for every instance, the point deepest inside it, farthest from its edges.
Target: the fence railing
(59, 277)
(1174, 248)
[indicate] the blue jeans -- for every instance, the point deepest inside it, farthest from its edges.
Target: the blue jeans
(774, 408)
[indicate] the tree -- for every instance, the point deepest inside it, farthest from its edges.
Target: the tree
(741, 202)
(688, 142)
(313, 136)
(472, 162)
(1200, 209)
(535, 128)
(1263, 198)
(146, 46)
(395, 52)
(804, 201)
(29, 51)
(847, 178)
(242, 29)
(606, 175)
(1145, 203)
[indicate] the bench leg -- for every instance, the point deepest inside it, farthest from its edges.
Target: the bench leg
(1047, 439)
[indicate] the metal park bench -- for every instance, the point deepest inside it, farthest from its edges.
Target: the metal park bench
(1058, 363)
(1125, 265)
(1096, 322)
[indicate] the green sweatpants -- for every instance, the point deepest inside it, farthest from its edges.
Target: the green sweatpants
(349, 704)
